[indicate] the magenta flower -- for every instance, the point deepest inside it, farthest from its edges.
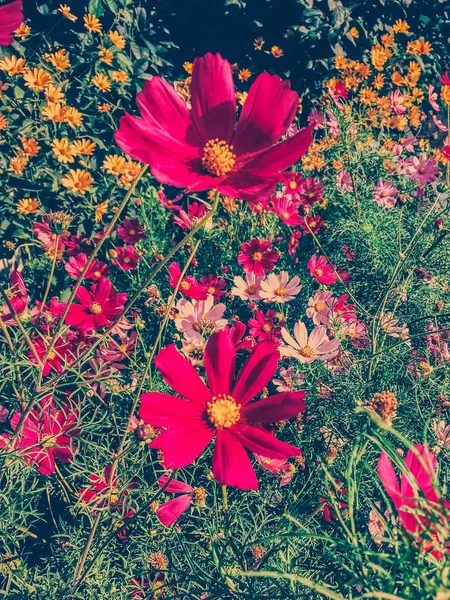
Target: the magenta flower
(18, 298)
(189, 286)
(256, 257)
(397, 100)
(76, 264)
(11, 16)
(310, 191)
(265, 326)
(385, 194)
(203, 148)
(131, 231)
(222, 411)
(61, 355)
(344, 181)
(126, 258)
(422, 170)
(321, 270)
(169, 512)
(287, 210)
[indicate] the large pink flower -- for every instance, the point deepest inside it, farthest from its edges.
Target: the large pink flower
(203, 148)
(223, 411)
(11, 16)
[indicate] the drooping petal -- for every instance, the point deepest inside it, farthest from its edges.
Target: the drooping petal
(181, 445)
(280, 407)
(169, 512)
(268, 111)
(248, 186)
(257, 372)
(260, 441)
(174, 487)
(220, 362)
(163, 410)
(213, 98)
(231, 464)
(181, 376)
(388, 477)
(422, 471)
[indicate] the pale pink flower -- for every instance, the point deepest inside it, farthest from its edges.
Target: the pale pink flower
(397, 100)
(319, 308)
(375, 524)
(385, 194)
(278, 288)
(344, 181)
(432, 97)
(278, 467)
(439, 124)
(289, 381)
(249, 289)
(308, 348)
(199, 317)
(422, 170)
(442, 433)
(390, 325)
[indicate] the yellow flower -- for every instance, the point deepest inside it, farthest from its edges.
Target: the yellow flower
(387, 39)
(445, 94)
(77, 181)
(106, 56)
(54, 112)
(244, 75)
(354, 32)
(84, 146)
(384, 104)
(104, 108)
(23, 31)
(414, 72)
(37, 79)
(100, 210)
(415, 116)
(241, 97)
(378, 82)
(259, 43)
(120, 76)
(114, 164)
(400, 26)
(58, 59)
(419, 47)
(28, 206)
(30, 146)
(12, 65)
(63, 150)
(72, 117)
(102, 82)
(188, 67)
(131, 172)
(276, 52)
(54, 94)
(351, 82)
(363, 70)
(3, 123)
(340, 63)
(368, 96)
(18, 164)
(380, 55)
(65, 10)
(92, 24)
(397, 78)
(118, 41)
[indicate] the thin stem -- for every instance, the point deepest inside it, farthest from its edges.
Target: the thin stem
(87, 548)
(49, 282)
(22, 402)
(225, 498)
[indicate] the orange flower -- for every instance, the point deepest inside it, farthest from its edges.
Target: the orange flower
(12, 65)
(378, 82)
(18, 164)
(63, 150)
(65, 10)
(419, 47)
(244, 75)
(380, 56)
(106, 56)
(54, 112)
(30, 146)
(23, 31)
(84, 147)
(188, 67)
(104, 108)
(54, 94)
(101, 210)
(276, 52)
(445, 94)
(354, 32)
(77, 181)
(114, 164)
(397, 78)
(58, 59)
(3, 123)
(400, 26)
(259, 43)
(118, 40)
(92, 24)
(72, 117)
(120, 76)
(37, 79)
(28, 206)
(387, 39)
(340, 63)
(102, 82)
(368, 96)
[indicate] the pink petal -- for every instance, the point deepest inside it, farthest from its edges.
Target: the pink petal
(181, 376)
(220, 362)
(163, 410)
(248, 186)
(213, 98)
(11, 17)
(260, 441)
(257, 372)
(422, 471)
(171, 511)
(231, 464)
(280, 407)
(182, 445)
(268, 111)
(388, 477)
(175, 487)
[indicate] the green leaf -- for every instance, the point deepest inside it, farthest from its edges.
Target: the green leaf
(96, 7)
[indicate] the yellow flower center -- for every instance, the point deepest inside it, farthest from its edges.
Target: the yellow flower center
(48, 441)
(218, 158)
(223, 411)
(95, 308)
(257, 256)
(211, 290)
(51, 355)
(319, 306)
(266, 328)
(281, 291)
(185, 285)
(307, 352)
(293, 185)
(251, 290)
(319, 272)
(132, 232)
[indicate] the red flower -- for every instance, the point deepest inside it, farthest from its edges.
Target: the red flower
(61, 355)
(256, 257)
(190, 287)
(131, 231)
(312, 223)
(46, 434)
(445, 150)
(287, 210)
(216, 285)
(104, 490)
(126, 259)
(76, 264)
(321, 270)
(18, 298)
(202, 148)
(98, 307)
(413, 511)
(444, 78)
(171, 511)
(310, 191)
(11, 16)
(223, 411)
(265, 326)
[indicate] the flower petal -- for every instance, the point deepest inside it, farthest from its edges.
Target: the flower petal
(163, 410)
(231, 464)
(280, 407)
(388, 477)
(260, 441)
(169, 512)
(174, 487)
(257, 372)
(182, 445)
(181, 376)
(220, 362)
(422, 471)
(269, 109)
(213, 98)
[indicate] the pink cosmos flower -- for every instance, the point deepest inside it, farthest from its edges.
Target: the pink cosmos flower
(289, 381)
(310, 191)
(294, 242)
(287, 210)
(18, 298)
(190, 287)
(432, 97)
(76, 264)
(319, 307)
(308, 348)
(222, 412)
(278, 467)
(322, 271)
(418, 516)
(47, 237)
(61, 355)
(439, 124)
(290, 186)
(105, 491)
(117, 351)
(278, 288)
(249, 289)
(375, 525)
(47, 433)
(265, 326)
(11, 16)
(216, 285)
(199, 317)
(422, 170)
(256, 257)
(170, 204)
(202, 148)
(444, 78)
(385, 194)
(312, 223)
(131, 231)
(169, 512)
(98, 307)
(344, 181)
(397, 100)
(76, 244)
(126, 259)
